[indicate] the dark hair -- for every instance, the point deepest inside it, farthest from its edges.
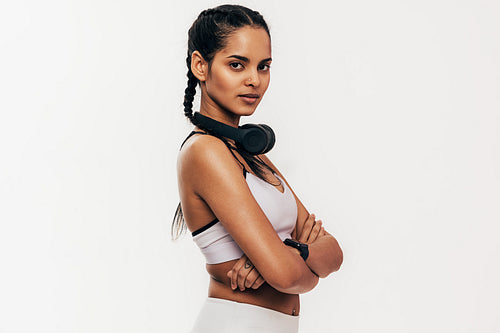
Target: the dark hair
(208, 35)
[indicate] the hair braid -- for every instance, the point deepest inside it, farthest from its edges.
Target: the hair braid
(189, 93)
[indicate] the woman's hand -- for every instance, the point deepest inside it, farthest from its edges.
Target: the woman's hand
(311, 230)
(245, 275)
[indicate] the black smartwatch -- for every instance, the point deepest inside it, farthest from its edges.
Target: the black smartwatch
(303, 248)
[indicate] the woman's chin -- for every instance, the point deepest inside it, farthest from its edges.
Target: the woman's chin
(243, 113)
(248, 111)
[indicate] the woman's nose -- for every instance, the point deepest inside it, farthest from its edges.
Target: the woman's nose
(253, 79)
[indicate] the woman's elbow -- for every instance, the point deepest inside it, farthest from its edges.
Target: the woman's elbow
(296, 280)
(298, 285)
(284, 283)
(337, 258)
(282, 278)
(340, 259)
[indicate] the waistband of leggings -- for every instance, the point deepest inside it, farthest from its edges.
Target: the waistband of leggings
(253, 308)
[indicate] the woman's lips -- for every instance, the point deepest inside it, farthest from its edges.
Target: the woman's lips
(249, 98)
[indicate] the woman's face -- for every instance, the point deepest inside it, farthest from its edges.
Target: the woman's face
(239, 75)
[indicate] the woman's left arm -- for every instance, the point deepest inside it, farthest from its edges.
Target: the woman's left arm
(325, 254)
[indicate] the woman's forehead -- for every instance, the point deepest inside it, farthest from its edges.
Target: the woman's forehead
(254, 42)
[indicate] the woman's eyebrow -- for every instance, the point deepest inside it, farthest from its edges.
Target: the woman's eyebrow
(246, 59)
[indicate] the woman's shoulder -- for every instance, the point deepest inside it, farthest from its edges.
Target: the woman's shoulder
(196, 140)
(203, 151)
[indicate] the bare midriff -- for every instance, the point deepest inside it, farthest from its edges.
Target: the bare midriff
(265, 296)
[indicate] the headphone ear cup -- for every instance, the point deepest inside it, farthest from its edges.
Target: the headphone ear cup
(271, 138)
(254, 138)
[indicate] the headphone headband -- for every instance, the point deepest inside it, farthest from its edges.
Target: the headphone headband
(215, 126)
(255, 139)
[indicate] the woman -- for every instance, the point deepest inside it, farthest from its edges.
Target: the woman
(236, 203)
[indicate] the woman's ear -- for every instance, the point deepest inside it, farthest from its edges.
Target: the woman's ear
(199, 66)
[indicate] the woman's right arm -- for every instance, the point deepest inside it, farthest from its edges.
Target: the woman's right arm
(216, 177)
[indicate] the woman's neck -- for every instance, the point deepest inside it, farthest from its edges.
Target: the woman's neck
(215, 112)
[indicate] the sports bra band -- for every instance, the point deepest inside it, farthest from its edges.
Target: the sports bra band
(205, 227)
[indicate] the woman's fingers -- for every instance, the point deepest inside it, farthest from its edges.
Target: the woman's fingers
(233, 273)
(311, 230)
(253, 280)
(307, 228)
(315, 232)
(260, 280)
(251, 277)
(243, 274)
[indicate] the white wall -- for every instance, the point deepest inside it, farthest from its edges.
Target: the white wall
(388, 122)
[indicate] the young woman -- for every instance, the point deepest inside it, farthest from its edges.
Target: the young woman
(236, 203)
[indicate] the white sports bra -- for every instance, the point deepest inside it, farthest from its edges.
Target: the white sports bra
(280, 209)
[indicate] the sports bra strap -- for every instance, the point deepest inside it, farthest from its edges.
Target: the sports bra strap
(225, 142)
(190, 135)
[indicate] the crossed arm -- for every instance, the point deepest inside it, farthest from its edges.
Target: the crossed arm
(325, 256)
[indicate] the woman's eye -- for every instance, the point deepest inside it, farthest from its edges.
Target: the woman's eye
(264, 67)
(235, 65)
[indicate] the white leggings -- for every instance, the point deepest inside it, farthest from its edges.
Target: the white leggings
(221, 316)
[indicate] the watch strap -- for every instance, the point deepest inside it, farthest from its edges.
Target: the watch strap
(303, 248)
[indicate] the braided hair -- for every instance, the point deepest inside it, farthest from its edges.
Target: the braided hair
(208, 34)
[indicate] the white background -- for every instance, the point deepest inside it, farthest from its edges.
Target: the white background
(387, 115)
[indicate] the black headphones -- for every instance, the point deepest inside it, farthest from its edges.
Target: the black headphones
(255, 139)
